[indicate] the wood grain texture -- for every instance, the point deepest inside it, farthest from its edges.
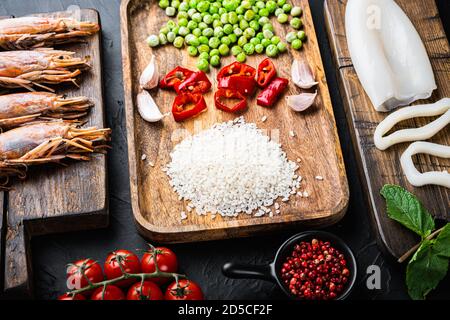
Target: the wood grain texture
(381, 167)
(55, 199)
(156, 206)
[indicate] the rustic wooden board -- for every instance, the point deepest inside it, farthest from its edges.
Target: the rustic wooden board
(57, 199)
(156, 206)
(380, 167)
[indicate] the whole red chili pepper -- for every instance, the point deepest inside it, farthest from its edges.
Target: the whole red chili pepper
(174, 78)
(266, 72)
(188, 105)
(223, 94)
(197, 82)
(237, 76)
(271, 94)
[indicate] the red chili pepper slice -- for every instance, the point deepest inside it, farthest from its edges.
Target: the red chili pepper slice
(237, 76)
(266, 72)
(187, 105)
(197, 82)
(271, 94)
(223, 94)
(174, 78)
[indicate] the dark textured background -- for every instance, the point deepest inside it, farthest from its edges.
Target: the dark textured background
(202, 261)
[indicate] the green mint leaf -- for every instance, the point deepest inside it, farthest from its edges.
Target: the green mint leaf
(405, 208)
(426, 269)
(442, 245)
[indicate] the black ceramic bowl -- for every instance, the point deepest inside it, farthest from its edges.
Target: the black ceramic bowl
(271, 272)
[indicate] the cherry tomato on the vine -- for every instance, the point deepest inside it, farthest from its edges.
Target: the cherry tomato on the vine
(129, 262)
(79, 272)
(71, 297)
(109, 293)
(147, 291)
(184, 290)
(166, 260)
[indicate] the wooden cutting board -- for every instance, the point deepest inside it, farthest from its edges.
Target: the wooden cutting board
(156, 206)
(56, 199)
(381, 167)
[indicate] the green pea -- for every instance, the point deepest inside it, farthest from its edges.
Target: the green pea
(228, 29)
(260, 35)
(297, 44)
(182, 15)
(254, 25)
(218, 32)
(278, 12)
(203, 40)
(214, 42)
(175, 4)
(170, 25)
(214, 52)
(301, 35)
(263, 20)
(291, 36)
(213, 8)
(163, 4)
(242, 40)
(171, 36)
(271, 50)
(249, 15)
(232, 37)
(208, 19)
(197, 17)
(215, 61)
(260, 4)
(264, 12)
(189, 38)
(217, 23)
(266, 42)
(255, 41)
(216, 16)
(268, 26)
(191, 12)
(193, 3)
(249, 49)
(275, 40)
(164, 30)
(246, 4)
(268, 34)
(238, 32)
(192, 25)
(230, 5)
(282, 47)
(208, 32)
(171, 11)
(240, 10)
(203, 6)
(235, 50)
(233, 17)
(282, 18)
(296, 11)
(204, 55)
(162, 39)
(178, 42)
(184, 7)
(203, 65)
(183, 31)
(243, 24)
(296, 23)
(224, 50)
(192, 51)
(259, 48)
(225, 40)
(203, 48)
(287, 8)
(271, 6)
(202, 25)
(197, 32)
(249, 33)
(281, 2)
(176, 30)
(224, 18)
(153, 40)
(241, 57)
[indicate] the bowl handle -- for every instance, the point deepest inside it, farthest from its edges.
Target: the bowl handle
(243, 271)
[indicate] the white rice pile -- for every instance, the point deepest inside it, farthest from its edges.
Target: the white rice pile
(232, 168)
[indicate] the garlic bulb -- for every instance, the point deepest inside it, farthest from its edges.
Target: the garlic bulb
(302, 75)
(150, 76)
(147, 107)
(302, 101)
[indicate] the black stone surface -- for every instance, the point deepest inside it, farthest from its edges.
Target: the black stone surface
(201, 261)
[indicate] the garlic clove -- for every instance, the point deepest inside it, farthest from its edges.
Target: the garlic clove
(147, 107)
(302, 75)
(150, 75)
(302, 101)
